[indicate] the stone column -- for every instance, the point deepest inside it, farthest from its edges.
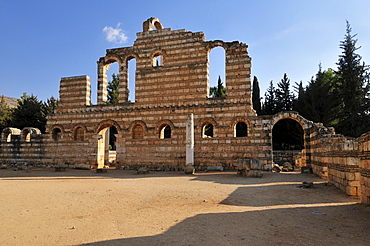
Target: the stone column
(189, 167)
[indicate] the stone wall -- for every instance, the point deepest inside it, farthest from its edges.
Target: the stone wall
(21, 146)
(336, 158)
(292, 156)
(364, 164)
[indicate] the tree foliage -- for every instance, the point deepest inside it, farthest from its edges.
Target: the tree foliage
(269, 104)
(5, 113)
(31, 112)
(256, 98)
(284, 97)
(353, 89)
(219, 90)
(112, 88)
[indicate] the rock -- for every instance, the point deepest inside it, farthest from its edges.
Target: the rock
(276, 168)
(83, 166)
(287, 167)
(215, 168)
(143, 170)
(307, 184)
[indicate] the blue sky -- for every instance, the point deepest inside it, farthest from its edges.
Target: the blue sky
(42, 41)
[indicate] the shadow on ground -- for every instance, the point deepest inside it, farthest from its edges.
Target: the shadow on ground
(327, 225)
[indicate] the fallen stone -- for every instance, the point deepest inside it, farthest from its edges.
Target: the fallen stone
(307, 184)
(83, 166)
(143, 170)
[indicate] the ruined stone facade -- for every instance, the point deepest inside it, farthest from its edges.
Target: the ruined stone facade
(172, 82)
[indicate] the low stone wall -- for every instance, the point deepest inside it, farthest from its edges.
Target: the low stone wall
(292, 156)
(336, 158)
(364, 165)
(18, 150)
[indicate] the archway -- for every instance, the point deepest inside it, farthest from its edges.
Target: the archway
(107, 146)
(287, 141)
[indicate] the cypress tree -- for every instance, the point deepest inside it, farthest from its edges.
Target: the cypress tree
(269, 104)
(284, 97)
(256, 98)
(353, 89)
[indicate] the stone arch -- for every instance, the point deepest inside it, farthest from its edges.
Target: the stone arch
(152, 23)
(106, 124)
(138, 129)
(203, 123)
(8, 132)
(306, 127)
(27, 132)
(163, 127)
(78, 132)
(237, 124)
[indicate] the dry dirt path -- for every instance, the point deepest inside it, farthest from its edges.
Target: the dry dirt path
(79, 207)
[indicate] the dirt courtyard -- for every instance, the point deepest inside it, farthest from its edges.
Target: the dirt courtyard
(81, 207)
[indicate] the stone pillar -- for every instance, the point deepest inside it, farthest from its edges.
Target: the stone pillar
(189, 167)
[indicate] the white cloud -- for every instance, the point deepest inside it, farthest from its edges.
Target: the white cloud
(115, 35)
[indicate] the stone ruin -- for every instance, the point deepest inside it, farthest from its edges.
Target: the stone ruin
(171, 83)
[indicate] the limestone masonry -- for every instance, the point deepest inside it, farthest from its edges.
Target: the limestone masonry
(171, 83)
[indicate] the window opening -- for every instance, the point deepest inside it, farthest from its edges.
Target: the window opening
(241, 129)
(208, 131)
(131, 76)
(113, 83)
(56, 134)
(217, 81)
(158, 60)
(165, 132)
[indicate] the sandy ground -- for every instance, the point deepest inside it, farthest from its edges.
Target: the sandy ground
(80, 207)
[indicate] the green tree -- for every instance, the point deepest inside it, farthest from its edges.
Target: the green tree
(49, 106)
(269, 104)
(219, 90)
(353, 89)
(284, 97)
(321, 99)
(5, 113)
(256, 98)
(112, 88)
(29, 112)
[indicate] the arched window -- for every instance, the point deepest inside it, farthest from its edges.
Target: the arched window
(165, 132)
(207, 131)
(157, 60)
(137, 132)
(56, 134)
(217, 68)
(131, 78)
(241, 129)
(79, 134)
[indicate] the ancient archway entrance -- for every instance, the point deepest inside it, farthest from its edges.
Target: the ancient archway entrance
(288, 141)
(107, 145)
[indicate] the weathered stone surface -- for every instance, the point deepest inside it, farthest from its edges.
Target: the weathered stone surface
(215, 168)
(143, 170)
